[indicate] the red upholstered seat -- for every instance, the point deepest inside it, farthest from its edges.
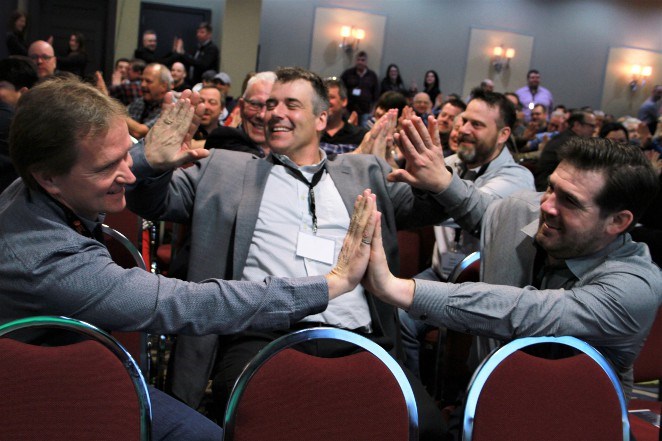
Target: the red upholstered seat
(648, 367)
(289, 395)
(80, 391)
(525, 397)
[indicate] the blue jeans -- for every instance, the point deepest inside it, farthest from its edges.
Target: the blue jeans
(173, 420)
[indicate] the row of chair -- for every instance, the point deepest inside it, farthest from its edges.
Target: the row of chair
(93, 389)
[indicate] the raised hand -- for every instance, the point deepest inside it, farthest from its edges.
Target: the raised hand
(379, 280)
(168, 143)
(421, 146)
(355, 253)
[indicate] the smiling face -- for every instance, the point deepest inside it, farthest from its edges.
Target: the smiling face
(149, 41)
(291, 125)
(253, 108)
(393, 74)
(480, 139)
(178, 72)
(153, 88)
(446, 117)
(571, 224)
(211, 98)
(95, 184)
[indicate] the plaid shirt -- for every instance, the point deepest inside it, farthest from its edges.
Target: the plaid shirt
(145, 113)
(127, 92)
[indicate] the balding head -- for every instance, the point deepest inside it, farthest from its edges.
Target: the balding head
(44, 56)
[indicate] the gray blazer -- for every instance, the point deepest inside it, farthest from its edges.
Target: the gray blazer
(220, 196)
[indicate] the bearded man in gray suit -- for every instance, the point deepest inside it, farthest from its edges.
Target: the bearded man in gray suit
(281, 216)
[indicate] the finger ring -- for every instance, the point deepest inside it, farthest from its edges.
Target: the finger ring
(167, 121)
(366, 241)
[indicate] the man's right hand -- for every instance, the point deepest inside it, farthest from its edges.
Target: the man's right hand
(168, 143)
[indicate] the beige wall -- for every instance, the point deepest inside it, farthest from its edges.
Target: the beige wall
(480, 54)
(326, 57)
(617, 98)
(126, 27)
(240, 39)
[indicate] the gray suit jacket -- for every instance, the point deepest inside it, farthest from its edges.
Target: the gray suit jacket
(220, 196)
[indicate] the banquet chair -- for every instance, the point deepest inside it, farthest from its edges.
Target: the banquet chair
(648, 367)
(517, 395)
(451, 372)
(285, 394)
(63, 379)
(126, 255)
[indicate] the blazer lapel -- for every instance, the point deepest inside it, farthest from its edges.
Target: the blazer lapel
(341, 175)
(255, 179)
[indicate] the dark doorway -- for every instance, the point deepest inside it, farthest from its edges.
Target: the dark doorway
(94, 18)
(169, 22)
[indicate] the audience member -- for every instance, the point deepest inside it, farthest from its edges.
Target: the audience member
(536, 125)
(156, 81)
(178, 72)
(362, 86)
(76, 59)
(205, 57)
(339, 136)
(121, 72)
(449, 110)
(580, 124)
(558, 263)
(389, 100)
(16, 44)
(130, 90)
(249, 137)
(615, 132)
(43, 55)
(267, 212)
(422, 106)
(147, 52)
(212, 99)
(533, 93)
(431, 86)
(17, 75)
(649, 111)
(556, 125)
(392, 81)
(484, 164)
(71, 146)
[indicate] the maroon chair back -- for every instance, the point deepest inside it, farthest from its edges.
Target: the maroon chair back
(76, 392)
(648, 367)
(532, 398)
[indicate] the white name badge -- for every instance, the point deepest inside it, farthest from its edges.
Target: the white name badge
(356, 92)
(315, 248)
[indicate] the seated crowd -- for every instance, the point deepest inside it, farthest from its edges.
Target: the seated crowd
(293, 195)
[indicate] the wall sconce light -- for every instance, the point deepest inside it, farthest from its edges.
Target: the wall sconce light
(501, 58)
(351, 37)
(639, 73)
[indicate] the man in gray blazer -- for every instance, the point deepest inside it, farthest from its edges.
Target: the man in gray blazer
(280, 216)
(70, 144)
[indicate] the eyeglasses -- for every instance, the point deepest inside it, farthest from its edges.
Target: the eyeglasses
(255, 106)
(43, 57)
